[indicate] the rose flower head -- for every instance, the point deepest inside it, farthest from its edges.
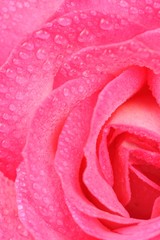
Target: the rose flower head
(80, 120)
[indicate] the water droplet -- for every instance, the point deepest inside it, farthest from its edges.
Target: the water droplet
(72, 72)
(76, 19)
(19, 5)
(80, 89)
(105, 24)
(123, 3)
(4, 9)
(29, 46)
(148, 10)
(26, 4)
(30, 69)
(19, 95)
(134, 10)
(3, 88)
(60, 222)
(66, 92)
(23, 55)
(64, 21)
(42, 34)
(20, 207)
(5, 144)
(16, 61)
(5, 211)
(124, 22)
(41, 54)
(3, 26)
(83, 15)
(66, 66)
(86, 73)
(85, 36)
(5, 116)
(10, 73)
(93, 13)
(24, 233)
(59, 39)
(12, 8)
(149, 1)
(20, 80)
(156, 5)
(12, 107)
(6, 16)
(47, 65)
(36, 186)
(36, 196)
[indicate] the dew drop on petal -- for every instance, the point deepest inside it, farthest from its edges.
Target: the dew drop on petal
(66, 92)
(105, 24)
(123, 3)
(41, 34)
(12, 107)
(64, 21)
(23, 55)
(10, 73)
(41, 54)
(85, 36)
(28, 46)
(59, 39)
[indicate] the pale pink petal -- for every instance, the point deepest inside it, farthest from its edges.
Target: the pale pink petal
(18, 18)
(140, 111)
(11, 227)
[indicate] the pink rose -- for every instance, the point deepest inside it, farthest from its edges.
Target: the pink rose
(80, 142)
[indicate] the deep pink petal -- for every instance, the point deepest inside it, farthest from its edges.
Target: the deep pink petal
(144, 192)
(11, 227)
(18, 18)
(156, 208)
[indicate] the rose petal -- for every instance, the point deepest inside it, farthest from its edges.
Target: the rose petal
(116, 92)
(156, 208)
(43, 184)
(119, 152)
(142, 12)
(68, 159)
(27, 78)
(11, 227)
(19, 18)
(33, 216)
(104, 159)
(142, 189)
(154, 84)
(141, 111)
